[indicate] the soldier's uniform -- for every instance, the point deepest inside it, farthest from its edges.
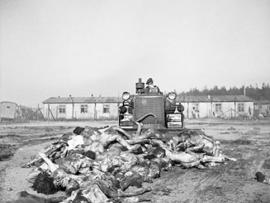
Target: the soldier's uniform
(150, 88)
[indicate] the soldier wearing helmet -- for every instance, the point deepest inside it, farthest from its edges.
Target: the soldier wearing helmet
(151, 88)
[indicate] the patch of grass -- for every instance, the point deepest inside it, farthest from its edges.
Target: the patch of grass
(6, 151)
(266, 164)
(242, 142)
(251, 132)
(231, 128)
(225, 132)
(238, 142)
(210, 191)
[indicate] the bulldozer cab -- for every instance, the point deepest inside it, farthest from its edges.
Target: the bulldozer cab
(150, 107)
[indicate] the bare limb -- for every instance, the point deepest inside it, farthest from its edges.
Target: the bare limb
(120, 130)
(52, 167)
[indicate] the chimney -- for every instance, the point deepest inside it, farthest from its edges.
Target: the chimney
(139, 86)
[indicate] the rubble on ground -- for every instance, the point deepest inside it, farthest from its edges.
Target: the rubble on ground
(260, 177)
(109, 164)
(7, 151)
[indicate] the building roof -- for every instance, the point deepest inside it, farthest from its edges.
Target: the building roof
(205, 98)
(215, 98)
(67, 100)
(262, 102)
(8, 102)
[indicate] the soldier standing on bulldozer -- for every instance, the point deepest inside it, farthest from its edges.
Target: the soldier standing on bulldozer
(151, 88)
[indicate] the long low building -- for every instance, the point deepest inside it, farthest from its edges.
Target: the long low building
(223, 106)
(98, 108)
(57, 108)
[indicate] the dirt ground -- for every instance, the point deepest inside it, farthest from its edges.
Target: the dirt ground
(247, 141)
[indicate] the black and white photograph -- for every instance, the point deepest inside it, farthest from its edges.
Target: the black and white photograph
(128, 101)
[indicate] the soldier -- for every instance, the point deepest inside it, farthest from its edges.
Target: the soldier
(151, 88)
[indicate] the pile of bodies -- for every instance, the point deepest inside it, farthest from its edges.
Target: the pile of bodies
(109, 164)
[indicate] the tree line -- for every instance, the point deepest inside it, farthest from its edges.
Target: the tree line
(254, 92)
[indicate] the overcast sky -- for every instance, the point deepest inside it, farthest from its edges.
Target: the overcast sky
(78, 47)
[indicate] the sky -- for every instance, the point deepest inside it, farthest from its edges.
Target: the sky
(101, 47)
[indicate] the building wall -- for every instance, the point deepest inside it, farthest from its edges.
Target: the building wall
(201, 109)
(113, 111)
(249, 108)
(74, 111)
(51, 111)
(263, 109)
(8, 110)
(89, 114)
(211, 109)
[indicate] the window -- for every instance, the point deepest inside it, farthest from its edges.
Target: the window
(106, 108)
(195, 111)
(240, 107)
(62, 109)
(84, 108)
(218, 107)
(195, 107)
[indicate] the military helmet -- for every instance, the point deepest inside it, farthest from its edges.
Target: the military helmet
(150, 80)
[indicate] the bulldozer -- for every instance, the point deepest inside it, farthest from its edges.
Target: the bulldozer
(151, 108)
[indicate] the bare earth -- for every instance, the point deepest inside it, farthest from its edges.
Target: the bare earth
(248, 141)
